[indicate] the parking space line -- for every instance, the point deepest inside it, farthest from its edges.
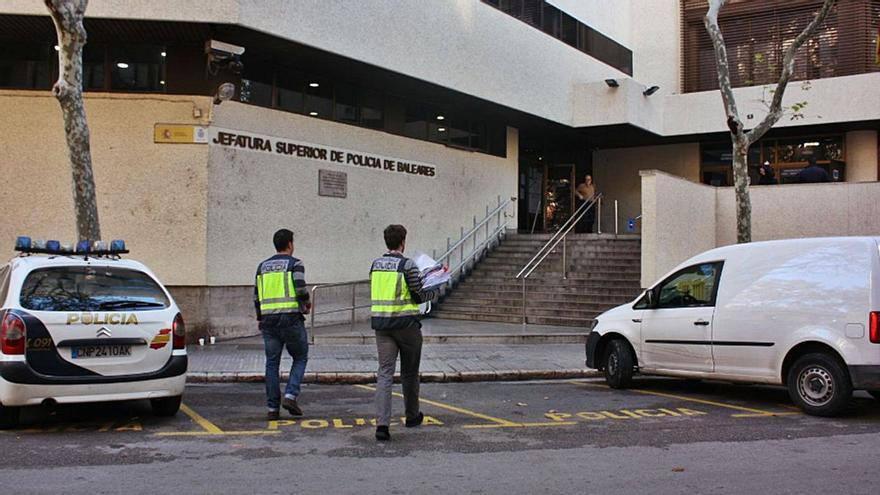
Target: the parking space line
(210, 428)
(200, 420)
(448, 407)
(752, 411)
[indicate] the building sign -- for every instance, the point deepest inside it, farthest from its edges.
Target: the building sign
(332, 184)
(171, 133)
(319, 152)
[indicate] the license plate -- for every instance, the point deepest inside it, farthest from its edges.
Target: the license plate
(101, 351)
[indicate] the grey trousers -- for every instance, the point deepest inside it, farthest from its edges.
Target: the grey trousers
(408, 342)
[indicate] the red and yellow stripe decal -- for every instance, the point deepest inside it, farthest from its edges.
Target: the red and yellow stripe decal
(161, 339)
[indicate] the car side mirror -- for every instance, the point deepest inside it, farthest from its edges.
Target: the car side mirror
(651, 301)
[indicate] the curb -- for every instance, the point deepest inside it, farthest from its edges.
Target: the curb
(345, 378)
(554, 338)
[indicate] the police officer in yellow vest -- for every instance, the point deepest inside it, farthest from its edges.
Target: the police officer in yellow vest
(281, 299)
(397, 289)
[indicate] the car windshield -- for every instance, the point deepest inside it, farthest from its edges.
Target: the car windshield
(90, 288)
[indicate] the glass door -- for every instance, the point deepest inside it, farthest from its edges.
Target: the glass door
(559, 195)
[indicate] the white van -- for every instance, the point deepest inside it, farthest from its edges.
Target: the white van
(804, 313)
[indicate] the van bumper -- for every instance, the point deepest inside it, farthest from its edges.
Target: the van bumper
(592, 343)
(865, 377)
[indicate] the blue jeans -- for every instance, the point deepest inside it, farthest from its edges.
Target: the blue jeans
(280, 331)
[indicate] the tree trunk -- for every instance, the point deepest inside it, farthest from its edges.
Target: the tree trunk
(741, 190)
(68, 18)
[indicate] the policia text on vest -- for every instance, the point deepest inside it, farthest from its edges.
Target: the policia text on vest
(397, 289)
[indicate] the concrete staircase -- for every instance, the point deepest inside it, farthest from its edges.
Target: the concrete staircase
(604, 271)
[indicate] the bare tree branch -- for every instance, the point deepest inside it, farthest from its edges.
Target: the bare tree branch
(776, 110)
(714, 30)
(67, 15)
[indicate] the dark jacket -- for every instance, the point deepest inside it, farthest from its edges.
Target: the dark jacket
(813, 173)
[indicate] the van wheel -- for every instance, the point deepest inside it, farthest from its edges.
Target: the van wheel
(166, 406)
(9, 417)
(819, 384)
(619, 362)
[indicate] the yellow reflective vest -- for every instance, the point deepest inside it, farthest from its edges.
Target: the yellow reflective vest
(276, 292)
(391, 297)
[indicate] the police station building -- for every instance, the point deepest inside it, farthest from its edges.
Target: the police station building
(215, 123)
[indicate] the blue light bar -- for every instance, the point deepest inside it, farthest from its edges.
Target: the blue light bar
(25, 244)
(22, 243)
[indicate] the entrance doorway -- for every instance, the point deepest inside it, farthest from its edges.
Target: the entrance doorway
(550, 193)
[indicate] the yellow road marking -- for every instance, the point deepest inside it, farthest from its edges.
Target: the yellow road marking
(200, 420)
(456, 409)
(211, 434)
(753, 412)
(523, 425)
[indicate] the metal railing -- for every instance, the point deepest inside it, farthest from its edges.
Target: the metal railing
(550, 246)
(492, 235)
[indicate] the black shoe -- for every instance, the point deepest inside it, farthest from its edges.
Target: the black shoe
(272, 415)
(291, 406)
(382, 434)
(416, 421)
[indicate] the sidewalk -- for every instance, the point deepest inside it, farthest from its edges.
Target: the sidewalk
(243, 360)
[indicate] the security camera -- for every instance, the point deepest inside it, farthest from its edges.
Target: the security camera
(222, 56)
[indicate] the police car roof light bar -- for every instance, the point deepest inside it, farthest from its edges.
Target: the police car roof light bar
(24, 244)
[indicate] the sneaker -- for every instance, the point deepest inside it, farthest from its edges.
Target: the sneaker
(382, 434)
(291, 406)
(416, 421)
(273, 415)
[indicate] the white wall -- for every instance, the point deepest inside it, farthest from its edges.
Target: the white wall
(251, 194)
(609, 17)
(862, 163)
(682, 218)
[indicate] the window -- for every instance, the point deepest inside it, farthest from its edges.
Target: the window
(25, 65)
(347, 104)
(137, 68)
(319, 98)
(86, 288)
(290, 90)
(371, 108)
(564, 27)
(757, 33)
(93, 67)
(694, 286)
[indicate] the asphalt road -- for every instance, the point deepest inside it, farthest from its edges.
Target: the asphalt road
(664, 436)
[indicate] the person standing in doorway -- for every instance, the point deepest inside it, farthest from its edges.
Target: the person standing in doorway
(396, 290)
(766, 175)
(281, 299)
(585, 191)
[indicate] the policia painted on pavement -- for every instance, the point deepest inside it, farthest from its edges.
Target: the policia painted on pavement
(397, 289)
(281, 300)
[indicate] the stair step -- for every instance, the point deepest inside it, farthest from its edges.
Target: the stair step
(533, 320)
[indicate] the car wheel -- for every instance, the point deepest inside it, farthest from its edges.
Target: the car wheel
(619, 362)
(819, 384)
(875, 394)
(9, 417)
(166, 406)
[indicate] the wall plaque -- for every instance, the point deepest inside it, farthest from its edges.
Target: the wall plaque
(332, 184)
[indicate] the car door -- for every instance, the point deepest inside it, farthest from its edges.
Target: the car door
(676, 327)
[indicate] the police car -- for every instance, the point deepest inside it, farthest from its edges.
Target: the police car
(83, 325)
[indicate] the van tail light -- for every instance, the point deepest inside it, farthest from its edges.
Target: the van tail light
(13, 334)
(874, 326)
(178, 331)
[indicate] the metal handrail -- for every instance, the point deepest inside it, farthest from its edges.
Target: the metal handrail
(550, 246)
(459, 245)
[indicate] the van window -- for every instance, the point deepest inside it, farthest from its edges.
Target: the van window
(694, 286)
(86, 288)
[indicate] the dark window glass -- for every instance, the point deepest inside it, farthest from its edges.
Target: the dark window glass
(137, 68)
(395, 114)
(371, 108)
(93, 67)
(256, 82)
(87, 288)
(479, 139)
(551, 20)
(290, 91)
(569, 30)
(26, 65)
(532, 12)
(346, 104)
(512, 7)
(498, 140)
(416, 125)
(439, 123)
(458, 133)
(493, 3)
(319, 98)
